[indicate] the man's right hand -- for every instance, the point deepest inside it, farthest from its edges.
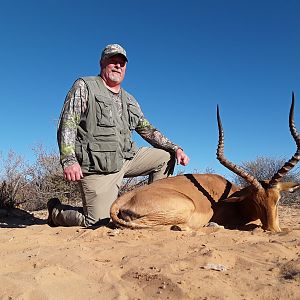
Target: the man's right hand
(73, 172)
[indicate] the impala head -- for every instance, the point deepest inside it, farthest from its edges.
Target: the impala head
(262, 197)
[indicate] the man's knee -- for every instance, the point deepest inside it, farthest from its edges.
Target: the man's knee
(96, 204)
(165, 168)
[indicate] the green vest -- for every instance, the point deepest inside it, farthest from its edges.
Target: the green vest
(104, 139)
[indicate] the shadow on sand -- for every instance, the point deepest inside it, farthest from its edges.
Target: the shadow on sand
(18, 218)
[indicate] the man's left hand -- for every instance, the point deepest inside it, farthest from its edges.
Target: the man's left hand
(181, 157)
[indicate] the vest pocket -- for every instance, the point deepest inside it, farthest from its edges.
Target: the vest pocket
(129, 149)
(82, 155)
(134, 114)
(104, 111)
(104, 133)
(103, 157)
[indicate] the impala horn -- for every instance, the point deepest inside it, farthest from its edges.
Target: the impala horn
(229, 165)
(296, 157)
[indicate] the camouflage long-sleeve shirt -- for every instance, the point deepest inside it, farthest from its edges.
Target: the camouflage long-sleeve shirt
(76, 104)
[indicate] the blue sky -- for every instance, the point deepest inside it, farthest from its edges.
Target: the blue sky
(185, 57)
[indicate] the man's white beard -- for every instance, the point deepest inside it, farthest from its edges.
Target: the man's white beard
(115, 77)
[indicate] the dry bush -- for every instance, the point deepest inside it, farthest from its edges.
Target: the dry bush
(12, 179)
(207, 170)
(30, 186)
(131, 183)
(290, 198)
(47, 181)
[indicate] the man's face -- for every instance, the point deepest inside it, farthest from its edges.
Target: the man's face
(113, 69)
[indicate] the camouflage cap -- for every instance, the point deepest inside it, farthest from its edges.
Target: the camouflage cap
(113, 49)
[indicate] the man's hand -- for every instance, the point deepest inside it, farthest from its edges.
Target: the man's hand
(73, 172)
(181, 157)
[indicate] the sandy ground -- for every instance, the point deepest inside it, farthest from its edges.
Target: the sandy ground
(40, 262)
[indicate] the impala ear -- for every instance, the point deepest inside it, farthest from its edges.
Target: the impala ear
(290, 187)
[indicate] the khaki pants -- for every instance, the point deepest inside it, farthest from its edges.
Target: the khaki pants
(99, 191)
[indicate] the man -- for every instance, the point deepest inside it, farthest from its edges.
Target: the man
(96, 148)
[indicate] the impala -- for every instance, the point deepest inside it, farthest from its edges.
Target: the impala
(190, 201)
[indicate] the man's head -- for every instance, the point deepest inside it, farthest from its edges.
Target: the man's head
(113, 64)
(111, 50)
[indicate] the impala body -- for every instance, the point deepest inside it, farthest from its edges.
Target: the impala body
(184, 200)
(190, 201)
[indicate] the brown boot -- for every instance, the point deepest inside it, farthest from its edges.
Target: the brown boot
(51, 204)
